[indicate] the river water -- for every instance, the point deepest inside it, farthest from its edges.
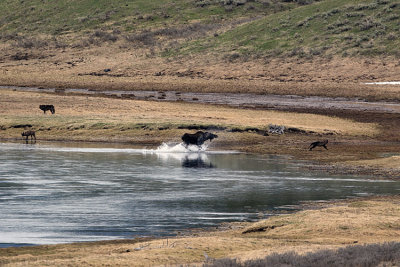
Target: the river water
(58, 193)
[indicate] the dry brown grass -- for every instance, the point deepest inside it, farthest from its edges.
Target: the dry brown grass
(392, 162)
(133, 69)
(95, 116)
(352, 222)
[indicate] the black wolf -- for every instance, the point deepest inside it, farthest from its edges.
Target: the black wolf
(319, 143)
(29, 133)
(47, 107)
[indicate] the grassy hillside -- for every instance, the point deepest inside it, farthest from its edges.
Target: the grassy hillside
(235, 29)
(336, 27)
(79, 16)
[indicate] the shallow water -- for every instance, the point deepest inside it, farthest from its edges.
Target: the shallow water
(56, 193)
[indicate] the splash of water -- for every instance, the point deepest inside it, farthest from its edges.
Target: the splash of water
(180, 148)
(179, 152)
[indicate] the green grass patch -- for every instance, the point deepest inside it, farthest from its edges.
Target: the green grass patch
(367, 27)
(66, 16)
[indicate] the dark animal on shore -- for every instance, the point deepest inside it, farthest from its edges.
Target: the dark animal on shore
(319, 143)
(197, 138)
(29, 133)
(47, 107)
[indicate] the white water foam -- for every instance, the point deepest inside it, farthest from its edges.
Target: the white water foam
(180, 148)
(180, 152)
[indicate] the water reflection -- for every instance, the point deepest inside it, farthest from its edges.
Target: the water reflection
(197, 161)
(54, 194)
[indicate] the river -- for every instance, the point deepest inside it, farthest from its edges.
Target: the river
(57, 193)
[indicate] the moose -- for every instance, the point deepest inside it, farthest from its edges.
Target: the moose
(47, 107)
(198, 138)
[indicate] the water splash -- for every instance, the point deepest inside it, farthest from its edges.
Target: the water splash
(179, 152)
(180, 148)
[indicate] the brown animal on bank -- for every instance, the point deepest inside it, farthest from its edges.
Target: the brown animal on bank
(29, 133)
(319, 143)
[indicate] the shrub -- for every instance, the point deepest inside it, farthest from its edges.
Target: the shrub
(297, 51)
(382, 2)
(231, 57)
(361, 7)
(355, 15)
(9, 36)
(392, 17)
(150, 38)
(367, 24)
(304, 2)
(20, 56)
(31, 42)
(105, 36)
(146, 38)
(391, 36)
(338, 23)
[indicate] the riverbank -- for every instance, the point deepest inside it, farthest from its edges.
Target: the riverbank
(365, 143)
(351, 222)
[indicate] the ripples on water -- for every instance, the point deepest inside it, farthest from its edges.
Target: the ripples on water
(56, 194)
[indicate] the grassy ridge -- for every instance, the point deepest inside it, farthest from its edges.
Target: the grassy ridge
(57, 17)
(236, 29)
(339, 27)
(78, 16)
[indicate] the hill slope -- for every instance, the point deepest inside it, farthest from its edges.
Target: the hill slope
(74, 16)
(237, 28)
(337, 27)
